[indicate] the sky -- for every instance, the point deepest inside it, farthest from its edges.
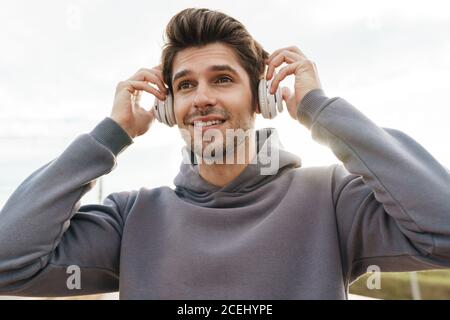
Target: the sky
(61, 60)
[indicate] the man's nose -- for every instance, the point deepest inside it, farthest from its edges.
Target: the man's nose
(203, 97)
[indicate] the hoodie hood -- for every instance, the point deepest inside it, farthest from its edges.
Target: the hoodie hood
(190, 184)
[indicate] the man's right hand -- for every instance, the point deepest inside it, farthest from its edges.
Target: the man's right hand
(126, 110)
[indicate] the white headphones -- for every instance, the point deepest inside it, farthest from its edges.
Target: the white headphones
(269, 104)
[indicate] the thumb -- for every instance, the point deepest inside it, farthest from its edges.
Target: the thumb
(289, 99)
(285, 93)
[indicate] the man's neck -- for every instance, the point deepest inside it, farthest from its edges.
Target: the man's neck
(222, 174)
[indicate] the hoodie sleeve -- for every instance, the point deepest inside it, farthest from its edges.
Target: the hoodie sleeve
(49, 244)
(391, 197)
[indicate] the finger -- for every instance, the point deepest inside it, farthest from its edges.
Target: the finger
(158, 70)
(149, 75)
(289, 99)
(283, 73)
(136, 96)
(133, 85)
(285, 93)
(152, 76)
(275, 53)
(283, 56)
(291, 48)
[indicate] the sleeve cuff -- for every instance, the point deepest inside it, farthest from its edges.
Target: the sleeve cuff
(311, 105)
(110, 134)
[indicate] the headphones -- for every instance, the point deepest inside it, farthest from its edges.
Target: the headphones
(269, 104)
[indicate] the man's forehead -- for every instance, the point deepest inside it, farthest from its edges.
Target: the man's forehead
(207, 68)
(204, 59)
(212, 51)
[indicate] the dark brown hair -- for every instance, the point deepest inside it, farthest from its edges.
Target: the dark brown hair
(195, 27)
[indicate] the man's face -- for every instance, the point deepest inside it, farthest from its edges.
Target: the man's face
(210, 86)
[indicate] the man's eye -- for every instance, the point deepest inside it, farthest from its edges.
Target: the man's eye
(224, 79)
(184, 85)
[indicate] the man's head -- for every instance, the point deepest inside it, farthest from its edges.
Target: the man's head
(212, 67)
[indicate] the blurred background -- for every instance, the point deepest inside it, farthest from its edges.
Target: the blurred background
(61, 60)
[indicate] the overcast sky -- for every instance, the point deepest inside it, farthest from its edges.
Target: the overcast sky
(61, 60)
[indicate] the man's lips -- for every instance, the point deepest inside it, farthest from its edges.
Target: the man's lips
(208, 127)
(206, 119)
(201, 123)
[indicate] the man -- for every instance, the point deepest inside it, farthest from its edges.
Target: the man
(227, 231)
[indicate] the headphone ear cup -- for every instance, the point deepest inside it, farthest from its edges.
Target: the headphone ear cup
(170, 113)
(262, 98)
(270, 104)
(279, 100)
(164, 111)
(156, 106)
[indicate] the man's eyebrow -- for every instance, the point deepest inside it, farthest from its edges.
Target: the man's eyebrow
(223, 67)
(214, 68)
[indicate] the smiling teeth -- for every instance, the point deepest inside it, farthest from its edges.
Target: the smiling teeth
(207, 123)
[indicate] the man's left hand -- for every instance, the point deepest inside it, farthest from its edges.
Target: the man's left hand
(305, 71)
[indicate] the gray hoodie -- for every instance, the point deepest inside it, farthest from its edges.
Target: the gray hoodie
(303, 233)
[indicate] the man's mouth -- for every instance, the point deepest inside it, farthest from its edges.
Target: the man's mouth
(208, 123)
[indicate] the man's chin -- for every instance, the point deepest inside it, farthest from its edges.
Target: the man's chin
(215, 144)
(210, 149)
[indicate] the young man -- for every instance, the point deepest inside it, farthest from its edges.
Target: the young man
(227, 231)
